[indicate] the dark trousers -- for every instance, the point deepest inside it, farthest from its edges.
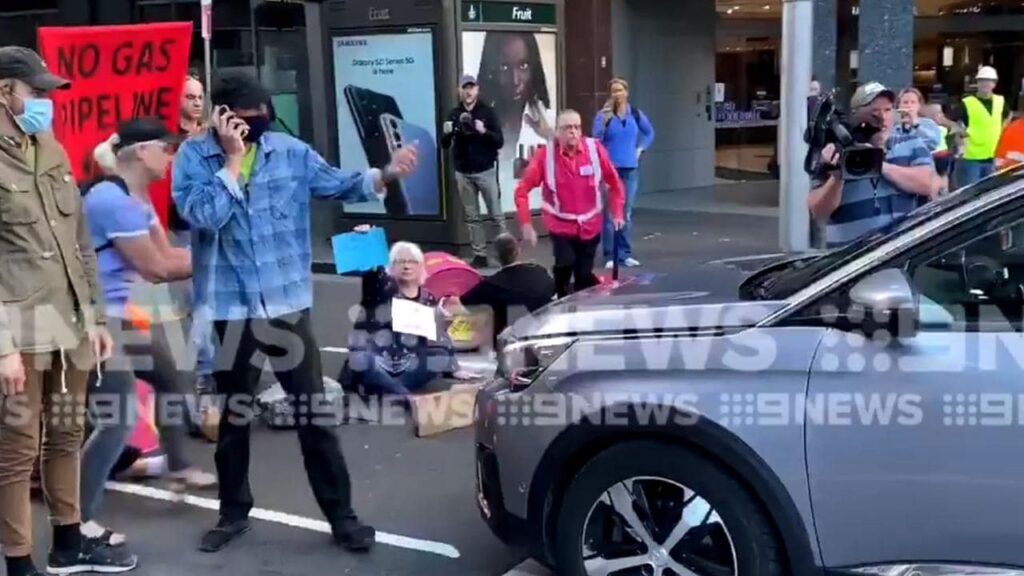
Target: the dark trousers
(288, 343)
(574, 263)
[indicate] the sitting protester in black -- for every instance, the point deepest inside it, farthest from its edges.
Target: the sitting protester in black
(516, 284)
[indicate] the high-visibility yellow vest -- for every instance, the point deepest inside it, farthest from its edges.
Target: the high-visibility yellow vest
(983, 128)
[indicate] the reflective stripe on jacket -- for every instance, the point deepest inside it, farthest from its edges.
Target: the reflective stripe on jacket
(571, 193)
(549, 196)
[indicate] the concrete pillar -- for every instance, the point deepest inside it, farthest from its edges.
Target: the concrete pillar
(794, 183)
(886, 43)
(825, 43)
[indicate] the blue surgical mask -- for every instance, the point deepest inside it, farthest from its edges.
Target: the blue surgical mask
(37, 117)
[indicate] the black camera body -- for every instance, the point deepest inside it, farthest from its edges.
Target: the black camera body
(465, 123)
(858, 160)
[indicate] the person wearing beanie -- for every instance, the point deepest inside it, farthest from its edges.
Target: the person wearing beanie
(246, 193)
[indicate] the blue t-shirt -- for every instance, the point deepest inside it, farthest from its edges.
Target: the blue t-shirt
(112, 214)
(928, 130)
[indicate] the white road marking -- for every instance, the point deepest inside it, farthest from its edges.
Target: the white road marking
(742, 258)
(429, 546)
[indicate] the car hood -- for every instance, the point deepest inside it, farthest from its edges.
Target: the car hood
(701, 298)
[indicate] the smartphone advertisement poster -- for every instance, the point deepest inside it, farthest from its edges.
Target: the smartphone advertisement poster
(384, 84)
(518, 77)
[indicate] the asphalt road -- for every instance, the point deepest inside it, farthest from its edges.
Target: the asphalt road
(422, 489)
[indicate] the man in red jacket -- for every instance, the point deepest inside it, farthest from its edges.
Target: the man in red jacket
(570, 172)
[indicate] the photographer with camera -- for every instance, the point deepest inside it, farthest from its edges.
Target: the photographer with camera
(870, 175)
(474, 134)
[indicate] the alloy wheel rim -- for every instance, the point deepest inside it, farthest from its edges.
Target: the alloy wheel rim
(652, 526)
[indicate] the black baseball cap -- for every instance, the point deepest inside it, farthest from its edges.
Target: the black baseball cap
(139, 130)
(20, 63)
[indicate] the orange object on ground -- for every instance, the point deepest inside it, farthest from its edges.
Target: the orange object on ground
(1011, 145)
(139, 318)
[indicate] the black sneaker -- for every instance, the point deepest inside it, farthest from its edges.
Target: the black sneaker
(354, 535)
(223, 534)
(94, 557)
(480, 262)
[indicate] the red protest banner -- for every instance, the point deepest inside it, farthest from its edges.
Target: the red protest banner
(116, 73)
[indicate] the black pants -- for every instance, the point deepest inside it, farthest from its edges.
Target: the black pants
(288, 343)
(574, 263)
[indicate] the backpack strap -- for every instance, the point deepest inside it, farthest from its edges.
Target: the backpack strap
(607, 121)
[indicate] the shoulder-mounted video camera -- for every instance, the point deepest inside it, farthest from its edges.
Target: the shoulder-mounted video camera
(857, 158)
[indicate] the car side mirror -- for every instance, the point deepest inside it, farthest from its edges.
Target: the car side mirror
(884, 305)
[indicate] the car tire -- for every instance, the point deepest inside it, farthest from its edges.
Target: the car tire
(758, 551)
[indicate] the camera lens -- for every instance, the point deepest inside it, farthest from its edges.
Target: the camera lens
(862, 162)
(857, 163)
(394, 124)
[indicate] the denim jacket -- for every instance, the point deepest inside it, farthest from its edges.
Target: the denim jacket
(251, 249)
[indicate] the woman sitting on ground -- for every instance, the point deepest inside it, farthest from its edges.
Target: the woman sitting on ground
(388, 362)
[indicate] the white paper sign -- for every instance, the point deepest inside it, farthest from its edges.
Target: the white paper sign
(409, 317)
(719, 92)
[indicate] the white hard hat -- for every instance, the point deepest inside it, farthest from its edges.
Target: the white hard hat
(987, 73)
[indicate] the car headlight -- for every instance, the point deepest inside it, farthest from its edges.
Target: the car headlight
(521, 363)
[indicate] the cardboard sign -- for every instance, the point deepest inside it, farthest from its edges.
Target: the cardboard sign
(409, 317)
(117, 73)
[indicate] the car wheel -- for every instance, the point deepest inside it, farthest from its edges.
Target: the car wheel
(654, 509)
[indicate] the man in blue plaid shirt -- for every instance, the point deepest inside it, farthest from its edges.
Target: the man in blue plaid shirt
(246, 193)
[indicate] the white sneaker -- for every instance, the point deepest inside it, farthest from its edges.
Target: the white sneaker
(632, 262)
(609, 265)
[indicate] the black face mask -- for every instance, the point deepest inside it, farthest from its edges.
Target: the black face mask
(258, 125)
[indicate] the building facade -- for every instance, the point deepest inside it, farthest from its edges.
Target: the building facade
(707, 72)
(683, 56)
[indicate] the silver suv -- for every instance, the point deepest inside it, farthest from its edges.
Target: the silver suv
(859, 411)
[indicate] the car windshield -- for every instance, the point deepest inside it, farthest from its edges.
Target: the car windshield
(781, 282)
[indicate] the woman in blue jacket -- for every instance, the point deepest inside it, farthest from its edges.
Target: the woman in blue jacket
(626, 132)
